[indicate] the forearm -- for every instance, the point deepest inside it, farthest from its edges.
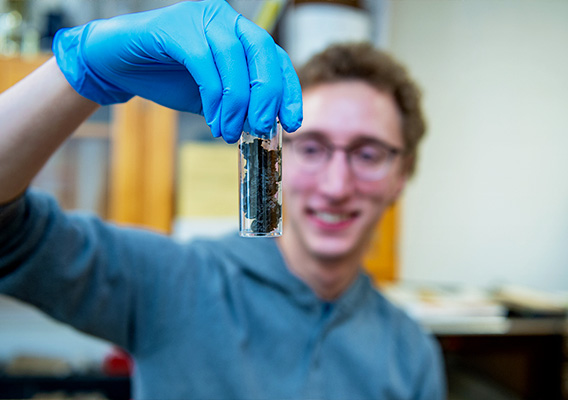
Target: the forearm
(37, 115)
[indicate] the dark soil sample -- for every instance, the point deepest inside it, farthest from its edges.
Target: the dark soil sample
(259, 188)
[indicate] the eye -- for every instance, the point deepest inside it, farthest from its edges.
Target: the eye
(310, 149)
(369, 155)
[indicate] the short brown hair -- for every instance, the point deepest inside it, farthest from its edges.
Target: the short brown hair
(362, 61)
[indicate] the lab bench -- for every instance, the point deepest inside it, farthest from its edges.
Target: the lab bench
(511, 358)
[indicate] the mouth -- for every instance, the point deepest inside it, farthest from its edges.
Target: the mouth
(332, 220)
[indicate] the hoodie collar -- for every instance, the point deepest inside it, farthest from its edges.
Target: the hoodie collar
(261, 258)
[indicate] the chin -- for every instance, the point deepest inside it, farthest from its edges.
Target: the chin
(333, 251)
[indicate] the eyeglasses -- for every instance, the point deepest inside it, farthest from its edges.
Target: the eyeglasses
(370, 159)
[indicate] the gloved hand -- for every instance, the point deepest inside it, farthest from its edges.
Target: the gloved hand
(196, 56)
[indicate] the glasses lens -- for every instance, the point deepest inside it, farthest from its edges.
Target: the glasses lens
(370, 161)
(309, 152)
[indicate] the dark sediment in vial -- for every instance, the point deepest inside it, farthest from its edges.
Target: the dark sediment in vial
(260, 186)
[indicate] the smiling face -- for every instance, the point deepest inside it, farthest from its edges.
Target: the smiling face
(330, 212)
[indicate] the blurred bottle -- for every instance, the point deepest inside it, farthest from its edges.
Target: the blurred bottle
(17, 34)
(54, 19)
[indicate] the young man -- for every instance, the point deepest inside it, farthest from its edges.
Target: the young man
(288, 318)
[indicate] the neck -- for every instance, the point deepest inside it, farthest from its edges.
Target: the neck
(327, 277)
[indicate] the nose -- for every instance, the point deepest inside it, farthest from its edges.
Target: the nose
(336, 180)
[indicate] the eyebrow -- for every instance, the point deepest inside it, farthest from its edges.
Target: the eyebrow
(358, 141)
(308, 135)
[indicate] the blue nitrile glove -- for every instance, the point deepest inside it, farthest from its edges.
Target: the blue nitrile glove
(196, 56)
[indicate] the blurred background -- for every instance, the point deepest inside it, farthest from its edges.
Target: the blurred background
(477, 247)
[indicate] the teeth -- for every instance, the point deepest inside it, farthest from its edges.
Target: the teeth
(332, 218)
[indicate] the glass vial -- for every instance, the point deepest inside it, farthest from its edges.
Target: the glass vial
(260, 181)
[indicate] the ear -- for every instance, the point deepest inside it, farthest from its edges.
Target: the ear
(398, 186)
(400, 180)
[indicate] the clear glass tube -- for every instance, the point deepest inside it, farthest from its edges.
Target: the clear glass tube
(260, 181)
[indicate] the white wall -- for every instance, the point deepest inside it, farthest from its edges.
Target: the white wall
(490, 201)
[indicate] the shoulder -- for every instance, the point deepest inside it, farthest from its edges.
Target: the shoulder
(414, 350)
(406, 334)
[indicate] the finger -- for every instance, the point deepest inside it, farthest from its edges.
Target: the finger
(229, 56)
(291, 111)
(265, 75)
(201, 66)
